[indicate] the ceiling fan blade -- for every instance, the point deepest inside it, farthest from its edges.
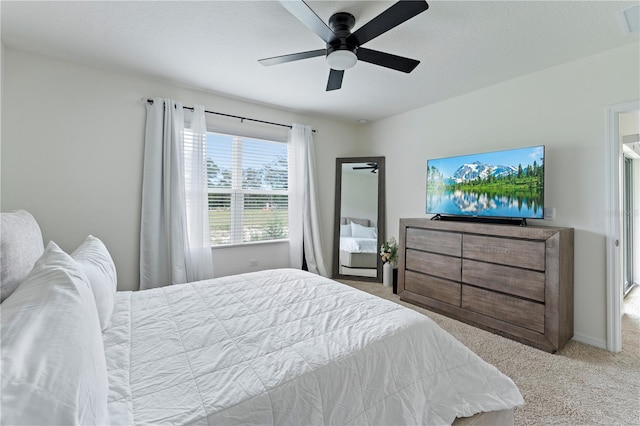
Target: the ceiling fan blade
(387, 60)
(390, 18)
(335, 79)
(308, 17)
(292, 57)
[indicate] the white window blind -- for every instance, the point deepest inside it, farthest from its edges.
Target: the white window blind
(248, 189)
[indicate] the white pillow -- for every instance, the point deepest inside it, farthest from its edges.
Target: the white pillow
(54, 370)
(96, 262)
(359, 231)
(345, 230)
(20, 247)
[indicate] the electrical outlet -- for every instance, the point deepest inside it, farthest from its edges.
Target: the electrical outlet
(549, 213)
(253, 262)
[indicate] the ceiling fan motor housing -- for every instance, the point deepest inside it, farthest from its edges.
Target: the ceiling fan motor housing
(341, 24)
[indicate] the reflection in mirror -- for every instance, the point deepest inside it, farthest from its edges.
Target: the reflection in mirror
(359, 218)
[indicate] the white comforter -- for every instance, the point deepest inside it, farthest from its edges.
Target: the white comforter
(288, 347)
(359, 245)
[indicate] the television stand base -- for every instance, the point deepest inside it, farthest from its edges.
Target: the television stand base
(476, 219)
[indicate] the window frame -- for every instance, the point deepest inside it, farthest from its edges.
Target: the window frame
(237, 193)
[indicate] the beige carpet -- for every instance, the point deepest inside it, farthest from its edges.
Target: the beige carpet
(581, 384)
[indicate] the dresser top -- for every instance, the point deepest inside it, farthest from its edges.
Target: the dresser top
(499, 230)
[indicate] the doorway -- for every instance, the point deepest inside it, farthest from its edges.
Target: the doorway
(622, 222)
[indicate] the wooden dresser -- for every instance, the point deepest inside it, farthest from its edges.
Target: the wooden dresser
(511, 280)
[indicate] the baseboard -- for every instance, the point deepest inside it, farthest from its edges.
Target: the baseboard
(587, 340)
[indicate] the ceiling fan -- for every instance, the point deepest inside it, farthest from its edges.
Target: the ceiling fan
(343, 48)
(372, 166)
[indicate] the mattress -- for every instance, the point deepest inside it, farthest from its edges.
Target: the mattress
(359, 245)
(288, 347)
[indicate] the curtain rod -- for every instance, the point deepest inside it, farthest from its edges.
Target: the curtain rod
(238, 117)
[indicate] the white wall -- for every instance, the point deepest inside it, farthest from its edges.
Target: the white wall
(561, 107)
(72, 149)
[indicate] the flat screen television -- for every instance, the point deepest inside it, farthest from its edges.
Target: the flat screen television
(500, 184)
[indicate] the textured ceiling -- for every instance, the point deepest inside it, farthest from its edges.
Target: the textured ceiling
(215, 45)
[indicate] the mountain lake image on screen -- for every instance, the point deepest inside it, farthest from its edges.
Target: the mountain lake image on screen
(505, 184)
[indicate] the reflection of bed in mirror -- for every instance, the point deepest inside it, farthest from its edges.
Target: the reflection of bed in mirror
(358, 245)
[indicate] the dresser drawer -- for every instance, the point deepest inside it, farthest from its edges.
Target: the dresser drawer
(434, 264)
(513, 252)
(519, 282)
(516, 311)
(435, 241)
(435, 288)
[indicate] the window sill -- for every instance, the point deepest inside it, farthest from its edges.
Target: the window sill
(252, 243)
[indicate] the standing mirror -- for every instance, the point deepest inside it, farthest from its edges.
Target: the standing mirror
(359, 222)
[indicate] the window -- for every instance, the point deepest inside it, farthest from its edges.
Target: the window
(248, 189)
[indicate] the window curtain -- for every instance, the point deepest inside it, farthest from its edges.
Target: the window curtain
(174, 230)
(304, 221)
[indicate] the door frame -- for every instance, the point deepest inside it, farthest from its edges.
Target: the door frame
(628, 223)
(613, 191)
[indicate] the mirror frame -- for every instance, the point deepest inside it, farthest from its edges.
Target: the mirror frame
(381, 215)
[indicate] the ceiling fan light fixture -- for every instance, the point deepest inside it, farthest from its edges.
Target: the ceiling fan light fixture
(341, 59)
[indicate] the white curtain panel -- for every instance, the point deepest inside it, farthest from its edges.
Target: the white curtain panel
(304, 221)
(198, 251)
(167, 255)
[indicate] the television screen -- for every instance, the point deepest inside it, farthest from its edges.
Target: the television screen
(505, 184)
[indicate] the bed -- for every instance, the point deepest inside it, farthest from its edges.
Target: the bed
(271, 347)
(358, 243)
